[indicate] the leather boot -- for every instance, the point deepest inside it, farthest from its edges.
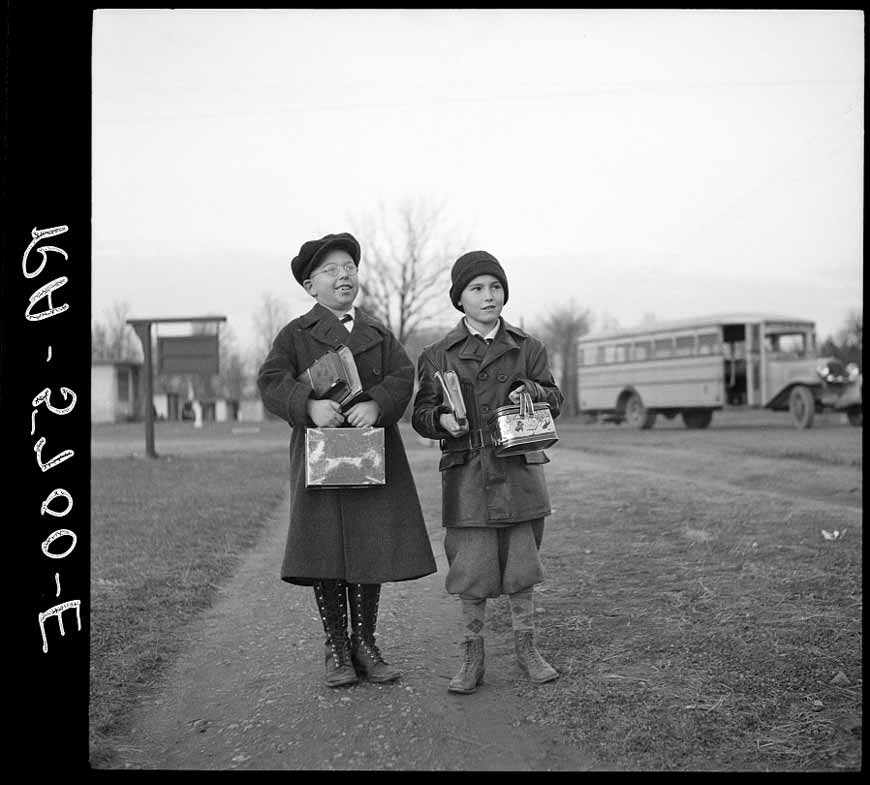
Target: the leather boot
(366, 656)
(530, 659)
(332, 604)
(471, 673)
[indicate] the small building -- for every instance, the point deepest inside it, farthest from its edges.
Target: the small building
(250, 410)
(115, 393)
(167, 406)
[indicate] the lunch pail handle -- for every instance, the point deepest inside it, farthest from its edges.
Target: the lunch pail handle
(527, 408)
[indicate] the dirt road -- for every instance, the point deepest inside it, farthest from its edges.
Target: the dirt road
(246, 693)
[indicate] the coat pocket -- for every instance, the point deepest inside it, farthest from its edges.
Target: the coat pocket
(539, 456)
(451, 459)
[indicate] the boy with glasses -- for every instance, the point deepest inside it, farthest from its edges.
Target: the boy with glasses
(346, 542)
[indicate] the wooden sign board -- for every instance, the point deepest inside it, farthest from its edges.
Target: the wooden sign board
(188, 354)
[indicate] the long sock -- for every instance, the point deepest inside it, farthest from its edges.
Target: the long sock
(522, 610)
(473, 617)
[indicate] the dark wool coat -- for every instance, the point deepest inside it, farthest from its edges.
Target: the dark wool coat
(363, 535)
(477, 488)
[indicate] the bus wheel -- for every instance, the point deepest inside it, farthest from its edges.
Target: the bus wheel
(856, 416)
(697, 418)
(802, 406)
(636, 414)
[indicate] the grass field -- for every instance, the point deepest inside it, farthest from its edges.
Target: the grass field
(164, 534)
(698, 616)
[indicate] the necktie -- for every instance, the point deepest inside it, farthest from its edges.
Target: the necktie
(346, 320)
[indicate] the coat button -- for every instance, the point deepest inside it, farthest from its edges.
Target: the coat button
(502, 377)
(376, 371)
(485, 407)
(483, 376)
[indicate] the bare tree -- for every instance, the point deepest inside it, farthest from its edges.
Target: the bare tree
(233, 374)
(113, 339)
(231, 378)
(560, 331)
(848, 344)
(852, 332)
(272, 315)
(405, 266)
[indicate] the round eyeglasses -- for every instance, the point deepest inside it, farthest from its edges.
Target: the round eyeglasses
(334, 270)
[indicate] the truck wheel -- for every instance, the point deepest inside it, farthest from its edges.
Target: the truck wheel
(802, 406)
(697, 418)
(636, 414)
(856, 416)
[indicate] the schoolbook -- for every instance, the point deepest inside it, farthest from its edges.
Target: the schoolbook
(334, 376)
(452, 394)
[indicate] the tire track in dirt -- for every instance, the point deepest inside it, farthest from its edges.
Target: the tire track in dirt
(821, 486)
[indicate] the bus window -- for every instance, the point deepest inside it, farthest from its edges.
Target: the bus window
(621, 352)
(609, 353)
(684, 345)
(708, 343)
(599, 355)
(580, 355)
(641, 350)
(793, 345)
(664, 347)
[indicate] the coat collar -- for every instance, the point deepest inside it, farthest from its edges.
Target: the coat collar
(473, 349)
(323, 325)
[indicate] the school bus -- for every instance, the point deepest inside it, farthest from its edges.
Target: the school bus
(694, 367)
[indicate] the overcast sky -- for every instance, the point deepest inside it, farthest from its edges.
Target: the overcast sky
(638, 162)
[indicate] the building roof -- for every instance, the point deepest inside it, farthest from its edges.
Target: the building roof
(117, 363)
(707, 320)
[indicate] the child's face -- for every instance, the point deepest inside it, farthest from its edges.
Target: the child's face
(331, 284)
(483, 299)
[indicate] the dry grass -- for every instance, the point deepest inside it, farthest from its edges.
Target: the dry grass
(700, 621)
(699, 629)
(165, 533)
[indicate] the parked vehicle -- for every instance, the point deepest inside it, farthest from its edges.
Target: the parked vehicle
(694, 367)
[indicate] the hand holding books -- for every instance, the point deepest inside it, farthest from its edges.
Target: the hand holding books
(336, 390)
(334, 376)
(455, 419)
(325, 413)
(363, 414)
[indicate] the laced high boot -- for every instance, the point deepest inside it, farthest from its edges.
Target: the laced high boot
(528, 657)
(530, 660)
(332, 604)
(470, 675)
(366, 656)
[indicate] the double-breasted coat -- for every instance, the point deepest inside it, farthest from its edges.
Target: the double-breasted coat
(478, 488)
(362, 535)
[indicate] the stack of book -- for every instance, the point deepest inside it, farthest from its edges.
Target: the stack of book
(452, 395)
(334, 376)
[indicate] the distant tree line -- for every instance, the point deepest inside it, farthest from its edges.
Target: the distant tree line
(847, 345)
(407, 255)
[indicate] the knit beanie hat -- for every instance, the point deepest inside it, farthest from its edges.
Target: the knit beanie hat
(469, 266)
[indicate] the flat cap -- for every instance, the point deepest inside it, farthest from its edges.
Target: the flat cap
(313, 250)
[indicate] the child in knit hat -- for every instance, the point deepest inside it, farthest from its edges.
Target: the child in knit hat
(492, 507)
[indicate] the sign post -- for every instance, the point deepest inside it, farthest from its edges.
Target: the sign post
(184, 354)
